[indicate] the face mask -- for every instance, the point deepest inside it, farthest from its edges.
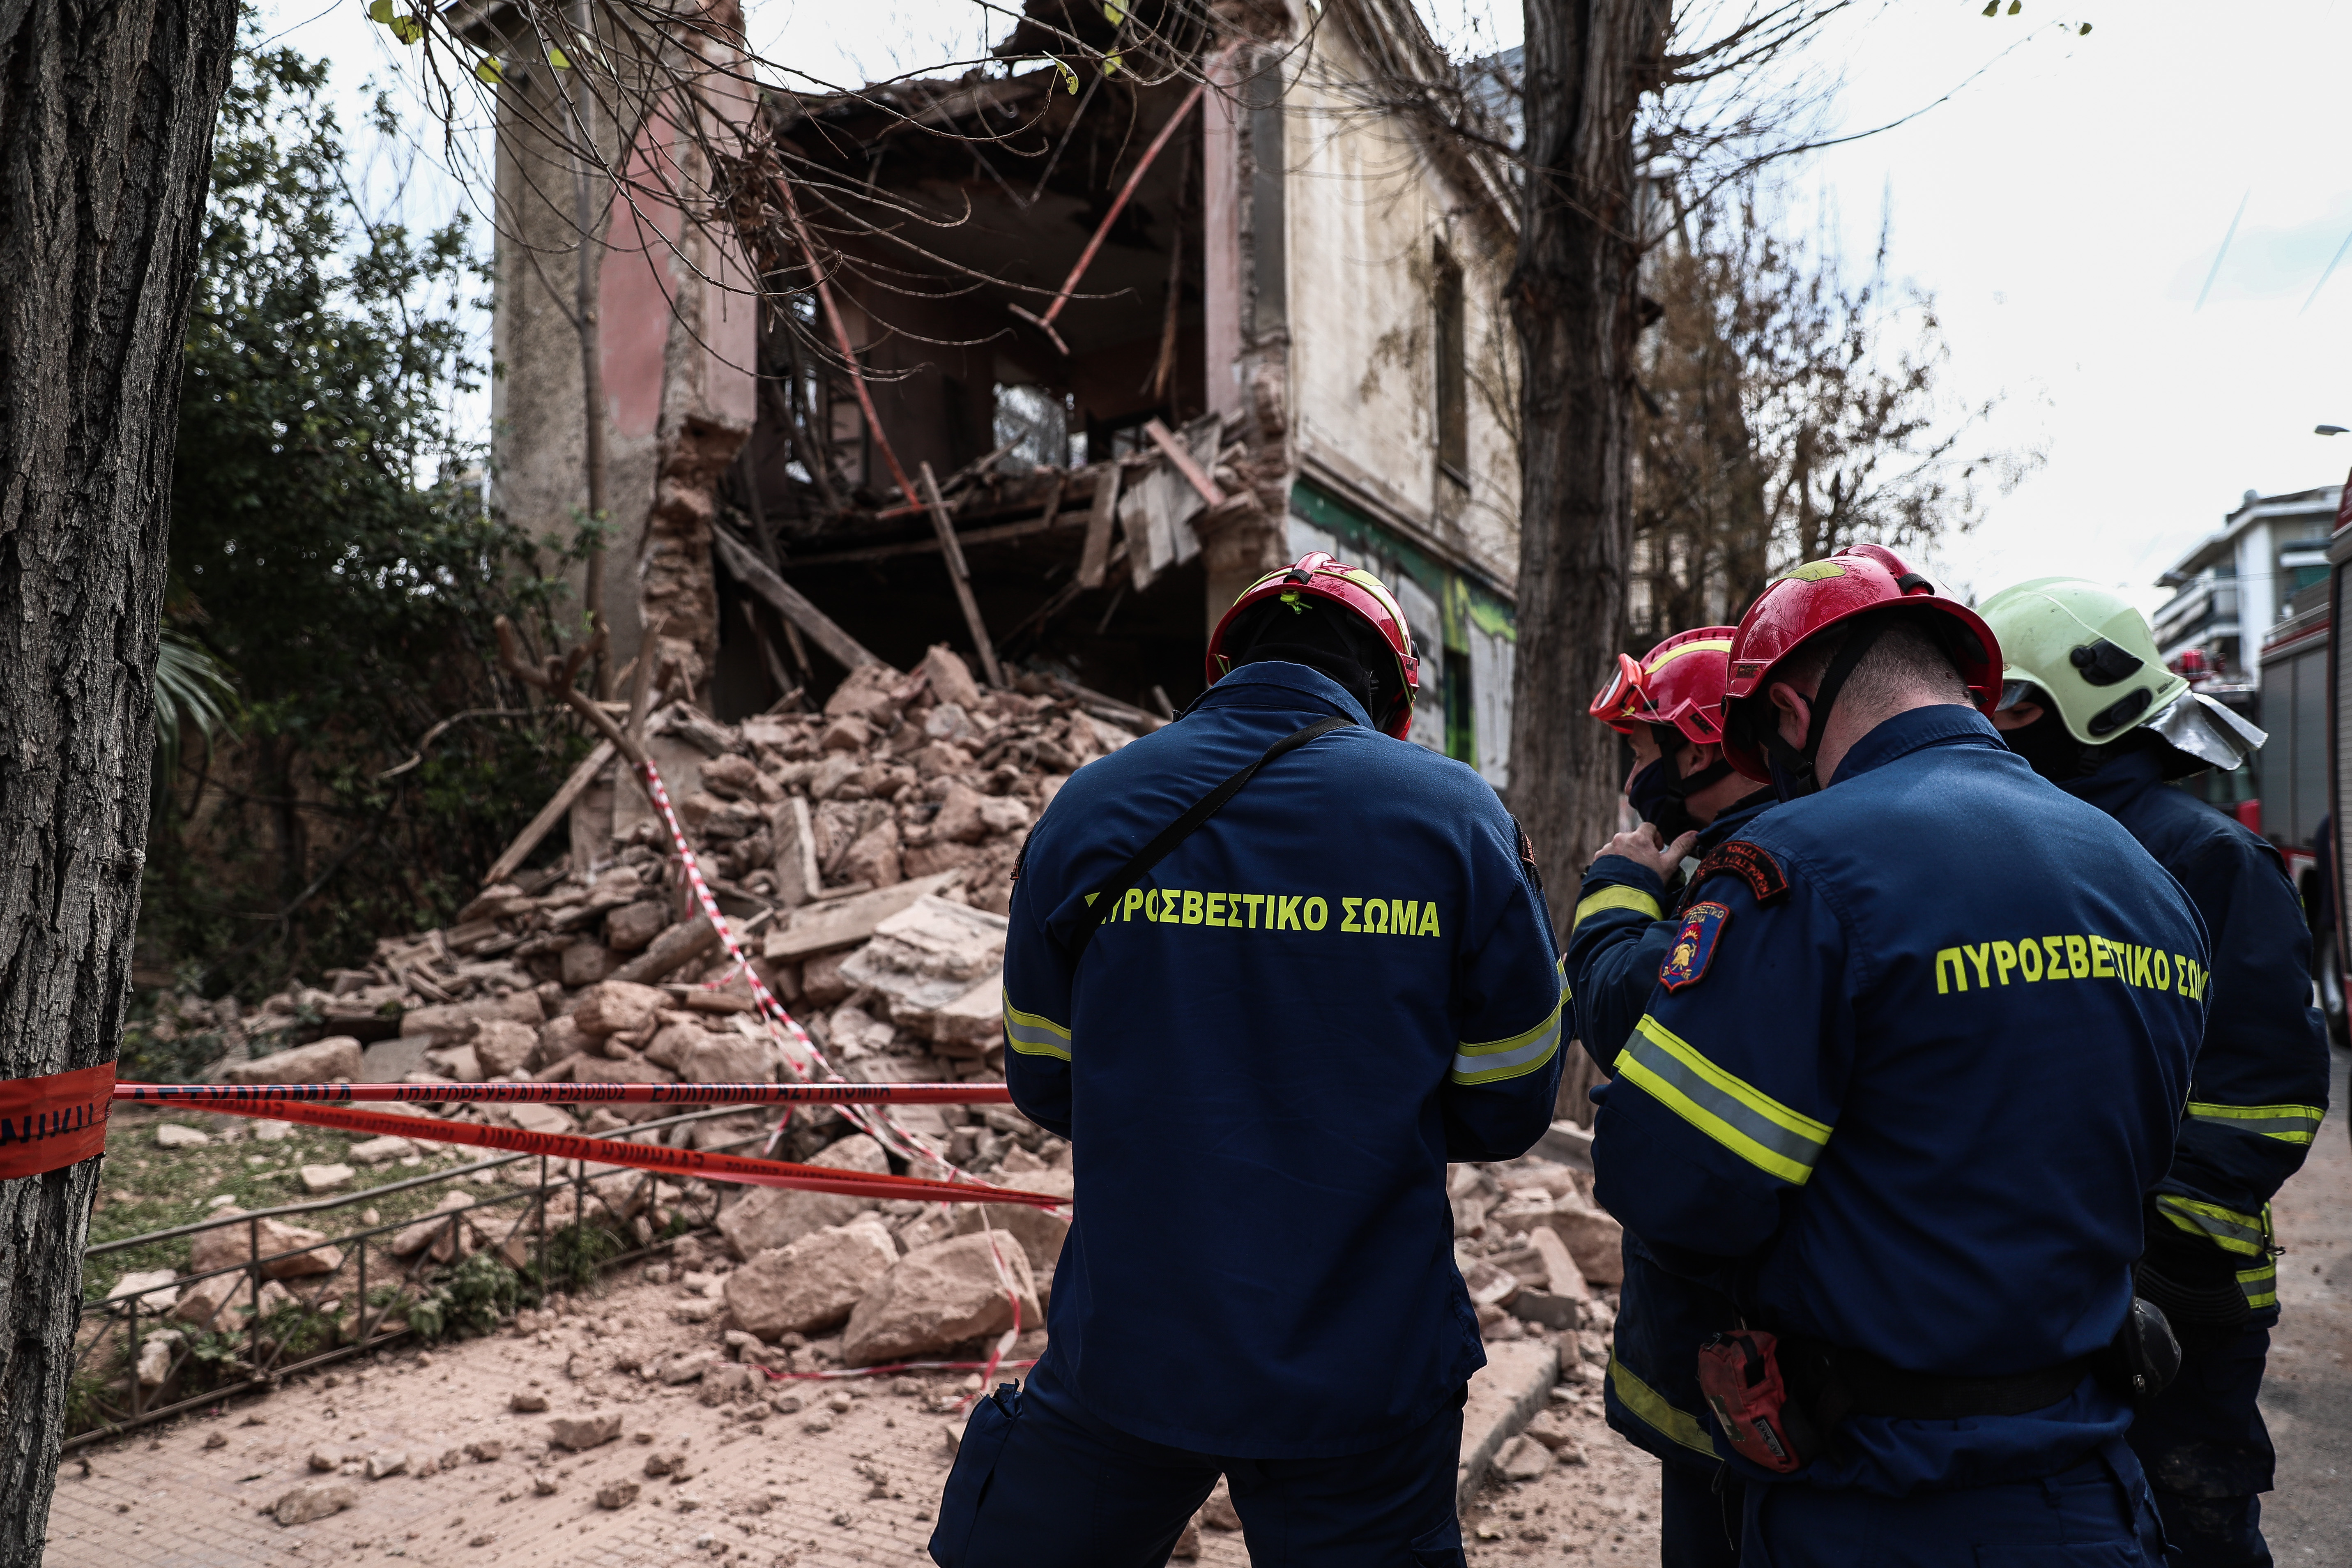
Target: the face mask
(1661, 799)
(2047, 747)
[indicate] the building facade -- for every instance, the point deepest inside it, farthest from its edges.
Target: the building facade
(1298, 291)
(2234, 586)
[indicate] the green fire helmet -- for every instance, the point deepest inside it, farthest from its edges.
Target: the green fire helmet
(2089, 650)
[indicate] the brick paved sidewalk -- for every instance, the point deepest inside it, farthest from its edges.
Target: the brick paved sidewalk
(762, 1487)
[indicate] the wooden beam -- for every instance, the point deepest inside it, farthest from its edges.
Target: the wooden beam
(754, 573)
(1165, 439)
(1095, 559)
(926, 546)
(959, 575)
(551, 813)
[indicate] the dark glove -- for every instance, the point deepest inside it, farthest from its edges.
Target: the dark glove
(2193, 1281)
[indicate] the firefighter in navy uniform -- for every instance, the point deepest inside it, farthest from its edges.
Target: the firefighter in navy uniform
(2089, 703)
(1911, 1070)
(1269, 969)
(1669, 705)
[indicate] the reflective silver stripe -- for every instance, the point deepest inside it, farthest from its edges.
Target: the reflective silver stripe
(2287, 1123)
(1033, 1036)
(2230, 1230)
(1768, 1143)
(1508, 1058)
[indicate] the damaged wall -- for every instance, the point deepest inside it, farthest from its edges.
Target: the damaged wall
(678, 352)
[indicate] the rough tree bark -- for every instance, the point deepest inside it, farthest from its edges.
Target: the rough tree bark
(1576, 307)
(105, 130)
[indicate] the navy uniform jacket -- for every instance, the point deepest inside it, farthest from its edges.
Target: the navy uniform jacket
(1911, 1071)
(1265, 1060)
(2261, 1087)
(1614, 950)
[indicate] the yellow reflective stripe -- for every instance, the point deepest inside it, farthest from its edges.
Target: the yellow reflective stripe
(1772, 1137)
(1705, 645)
(2287, 1123)
(1492, 1062)
(1632, 899)
(2226, 1228)
(1033, 1036)
(2261, 1286)
(1650, 1407)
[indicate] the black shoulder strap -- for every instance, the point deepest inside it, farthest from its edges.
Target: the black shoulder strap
(1106, 897)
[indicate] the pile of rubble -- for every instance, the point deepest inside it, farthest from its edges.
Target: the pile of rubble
(863, 855)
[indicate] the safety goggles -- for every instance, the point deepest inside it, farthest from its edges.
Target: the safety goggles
(1621, 697)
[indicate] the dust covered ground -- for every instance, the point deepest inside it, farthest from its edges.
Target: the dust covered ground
(761, 1482)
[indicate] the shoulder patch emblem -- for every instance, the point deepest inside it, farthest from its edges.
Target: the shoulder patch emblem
(1687, 964)
(1750, 863)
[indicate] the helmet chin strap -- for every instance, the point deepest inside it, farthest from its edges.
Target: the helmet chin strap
(1795, 769)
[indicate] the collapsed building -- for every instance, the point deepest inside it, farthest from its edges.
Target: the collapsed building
(1144, 333)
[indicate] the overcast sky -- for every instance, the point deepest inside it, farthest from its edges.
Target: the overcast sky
(2065, 207)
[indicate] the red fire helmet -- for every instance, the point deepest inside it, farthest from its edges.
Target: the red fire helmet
(1809, 599)
(1678, 683)
(1320, 576)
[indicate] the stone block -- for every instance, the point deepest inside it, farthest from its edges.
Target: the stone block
(171, 1135)
(813, 1283)
(382, 1151)
(155, 1290)
(630, 927)
(230, 1245)
(949, 678)
(1505, 1395)
(939, 1296)
(317, 1179)
(503, 1047)
(618, 1007)
(312, 1500)
(391, 1061)
(1040, 1234)
(768, 1217)
(581, 1432)
(928, 955)
(335, 1059)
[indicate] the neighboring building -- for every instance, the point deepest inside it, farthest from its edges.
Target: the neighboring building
(1304, 290)
(2235, 585)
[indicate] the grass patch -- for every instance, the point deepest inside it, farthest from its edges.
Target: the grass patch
(146, 1188)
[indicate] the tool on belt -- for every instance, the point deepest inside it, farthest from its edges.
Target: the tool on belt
(1778, 1397)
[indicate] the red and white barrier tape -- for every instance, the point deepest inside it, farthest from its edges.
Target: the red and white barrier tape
(882, 1126)
(657, 1157)
(213, 1096)
(878, 1124)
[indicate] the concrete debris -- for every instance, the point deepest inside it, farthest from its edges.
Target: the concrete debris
(581, 1432)
(939, 1296)
(157, 1352)
(811, 1284)
(527, 1402)
(1040, 1234)
(332, 1060)
(1522, 1459)
(319, 1179)
(770, 1217)
(616, 1494)
(312, 1500)
(155, 1290)
(385, 1462)
(228, 1246)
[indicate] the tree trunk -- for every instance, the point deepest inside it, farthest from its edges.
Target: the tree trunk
(1575, 303)
(106, 131)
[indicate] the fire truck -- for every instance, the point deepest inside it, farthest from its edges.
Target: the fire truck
(2305, 704)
